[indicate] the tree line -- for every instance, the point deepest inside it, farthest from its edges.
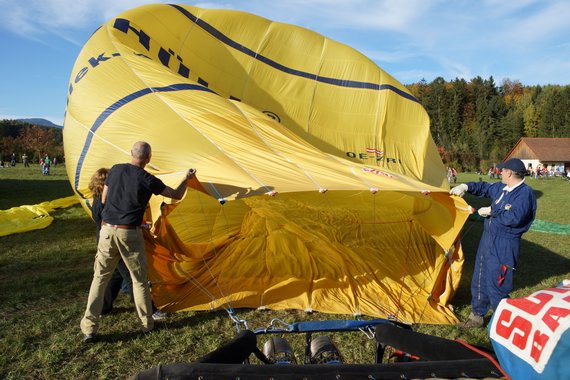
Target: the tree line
(476, 123)
(19, 138)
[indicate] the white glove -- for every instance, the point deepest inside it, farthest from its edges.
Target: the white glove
(459, 190)
(484, 212)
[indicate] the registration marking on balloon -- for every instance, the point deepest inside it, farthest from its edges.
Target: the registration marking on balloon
(378, 152)
(377, 172)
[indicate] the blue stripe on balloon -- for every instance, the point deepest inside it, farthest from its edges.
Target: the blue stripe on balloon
(120, 103)
(333, 81)
(228, 41)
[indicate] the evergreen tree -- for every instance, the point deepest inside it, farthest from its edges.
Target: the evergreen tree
(477, 122)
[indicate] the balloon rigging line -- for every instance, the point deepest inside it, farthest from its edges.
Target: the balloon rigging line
(468, 229)
(253, 59)
(227, 154)
(270, 147)
(385, 309)
(89, 131)
(205, 290)
(220, 281)
(422, 285)
(206, 136)
(188, 276)
(377, 141)
(194, 280)
(406, 263)
(353, 282)
(216, 254)
(94, 134)
(233, 159)
(413, 294)
(242, 49)
(215, 189)
(217, 146)
(424, 308)
(201, 287)
(426, 303)
(316, 81)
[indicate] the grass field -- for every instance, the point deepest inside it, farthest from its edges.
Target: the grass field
(45, 276)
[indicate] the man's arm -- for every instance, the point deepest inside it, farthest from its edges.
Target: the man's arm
(485, 189)
(178, 193)
(104, 194)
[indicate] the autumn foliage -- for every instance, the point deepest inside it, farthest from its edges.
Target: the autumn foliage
(476, 122)
(33, 140)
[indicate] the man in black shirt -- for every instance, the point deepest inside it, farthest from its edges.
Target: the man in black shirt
(126, 194)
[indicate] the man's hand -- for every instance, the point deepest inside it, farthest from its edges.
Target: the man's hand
(178, 193)
(459, 190)
(485, 212)
(190, 173)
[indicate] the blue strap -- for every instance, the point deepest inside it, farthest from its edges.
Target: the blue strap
(331, 325)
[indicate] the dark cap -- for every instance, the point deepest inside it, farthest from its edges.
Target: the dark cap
(513, 164)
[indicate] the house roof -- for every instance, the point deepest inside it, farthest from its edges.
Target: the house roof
(544, 148)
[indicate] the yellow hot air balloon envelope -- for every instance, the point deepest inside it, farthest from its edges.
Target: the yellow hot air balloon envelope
(320, 186)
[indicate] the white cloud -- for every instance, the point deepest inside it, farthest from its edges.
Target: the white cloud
(462, 38)
(454, 69)
(542, 72)
(502, 8)
(215, 5)
(32, 18)
(414, 76)
(389, 56)
(542, 24)
(395, 15)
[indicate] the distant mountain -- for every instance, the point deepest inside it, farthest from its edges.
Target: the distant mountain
(42, 122)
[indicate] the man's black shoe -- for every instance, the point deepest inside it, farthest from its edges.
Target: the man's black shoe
(89, 338)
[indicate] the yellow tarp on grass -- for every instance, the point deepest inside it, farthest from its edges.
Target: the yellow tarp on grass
(32, 217)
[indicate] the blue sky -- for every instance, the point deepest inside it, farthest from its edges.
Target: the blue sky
(525, 40)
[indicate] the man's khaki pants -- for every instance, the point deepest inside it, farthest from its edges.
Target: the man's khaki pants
(116, 243)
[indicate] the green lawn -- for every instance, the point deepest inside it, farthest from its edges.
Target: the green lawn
(45, 276)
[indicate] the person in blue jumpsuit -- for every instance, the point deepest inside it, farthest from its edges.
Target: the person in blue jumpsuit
(511, 213)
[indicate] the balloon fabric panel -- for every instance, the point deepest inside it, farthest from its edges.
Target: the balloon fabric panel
(318, 184)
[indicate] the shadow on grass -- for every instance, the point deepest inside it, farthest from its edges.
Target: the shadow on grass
(179, 321)
(18, 192)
